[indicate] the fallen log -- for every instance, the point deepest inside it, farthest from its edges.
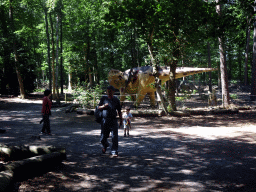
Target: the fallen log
(14, 153)
(225, 111)
(26, 168)
(85, 111)
(6, 179)
(147, 113)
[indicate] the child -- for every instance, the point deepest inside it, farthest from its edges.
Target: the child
(127, 116)
(46, 112)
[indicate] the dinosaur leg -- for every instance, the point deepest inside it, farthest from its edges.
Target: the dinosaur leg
(152, 98)
(133, 97)
(140, 97)
(122, 96)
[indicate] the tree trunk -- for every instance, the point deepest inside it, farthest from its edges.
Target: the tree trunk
(69, 79)
(53, 59)
(16, 57)
(248, 32)
(209, 62)
(48, 48)
(223, 67)
(240, 63)
(90, 77)
(172, 82)
(209, 66)
(253, 85)
(156, 73)
(229, 63)
(61, 49)
(57, 59)
(6, 53)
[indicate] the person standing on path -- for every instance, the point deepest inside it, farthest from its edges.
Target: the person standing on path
(46, 112)
(109, 105)
(127, 116)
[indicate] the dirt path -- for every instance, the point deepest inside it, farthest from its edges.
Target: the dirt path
(197, 153)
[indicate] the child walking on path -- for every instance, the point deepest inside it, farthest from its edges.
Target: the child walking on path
(46, 112)
(127, 116)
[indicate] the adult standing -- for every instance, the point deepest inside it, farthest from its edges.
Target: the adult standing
(110, 105)
(46, 112)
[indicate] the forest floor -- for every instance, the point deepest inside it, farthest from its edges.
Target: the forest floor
(212, 152)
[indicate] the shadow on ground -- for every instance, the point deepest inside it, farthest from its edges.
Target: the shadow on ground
(154, 158)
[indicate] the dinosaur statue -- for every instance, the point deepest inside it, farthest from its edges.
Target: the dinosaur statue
(140, 80)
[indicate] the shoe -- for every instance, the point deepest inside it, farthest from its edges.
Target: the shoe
(104, 149)
(124, 135)
(114, 154)
(43, 132)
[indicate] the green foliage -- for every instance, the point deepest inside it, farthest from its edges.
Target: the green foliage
(128, 97)
(101, 35)
(181, 98)
(88, 96)
(233, 96)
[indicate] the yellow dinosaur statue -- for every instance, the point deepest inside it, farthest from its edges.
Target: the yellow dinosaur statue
(140, 81)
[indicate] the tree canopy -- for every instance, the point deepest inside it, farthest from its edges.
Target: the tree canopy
(88, 38)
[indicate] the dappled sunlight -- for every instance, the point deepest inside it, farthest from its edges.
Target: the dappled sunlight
(92, 132)
(201, 153)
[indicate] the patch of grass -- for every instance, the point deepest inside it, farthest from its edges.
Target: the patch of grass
(233, 96)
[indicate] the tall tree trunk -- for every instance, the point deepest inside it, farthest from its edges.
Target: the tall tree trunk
(57, 58)
(172, 86)
(53, 59)
(248, 32)
(16, 57)
(6, 53)
(156, 73)
(223, 67)
(209, 66)
(253, 85)
(240, 63)
(61, 49)
(229, 63)
(96, 72)
(209, 63)
(48, 47)
(69, 79)
(90, 77)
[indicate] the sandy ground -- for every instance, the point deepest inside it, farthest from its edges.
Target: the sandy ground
(196, 153)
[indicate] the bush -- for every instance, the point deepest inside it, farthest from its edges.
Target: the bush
(88, 96)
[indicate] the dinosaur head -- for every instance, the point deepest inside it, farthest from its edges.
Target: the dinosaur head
(116, 78)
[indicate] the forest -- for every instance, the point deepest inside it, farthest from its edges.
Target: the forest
(61, 44)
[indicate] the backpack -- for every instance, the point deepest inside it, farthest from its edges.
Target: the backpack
(98, 114)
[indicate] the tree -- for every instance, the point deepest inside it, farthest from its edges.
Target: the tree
(223, 67)
(16, 56)
(253, 85)
(173, 21)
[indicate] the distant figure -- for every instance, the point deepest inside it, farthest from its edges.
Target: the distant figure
(127, 116)
(46, 112)
(109, 105)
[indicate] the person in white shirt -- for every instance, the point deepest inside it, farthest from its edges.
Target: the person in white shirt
(127, 116)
